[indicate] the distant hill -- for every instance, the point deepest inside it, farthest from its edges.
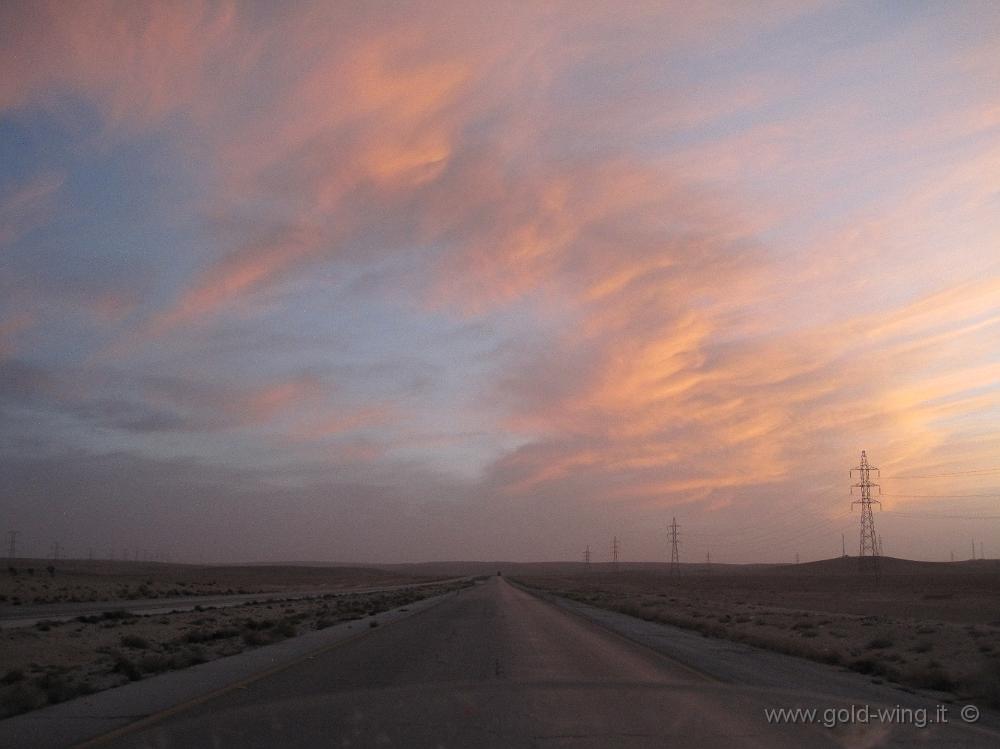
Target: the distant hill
(836, 566)
(325, 572)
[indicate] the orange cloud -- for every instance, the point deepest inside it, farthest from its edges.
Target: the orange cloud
(140, 61)
(238, 273)
(343, 421)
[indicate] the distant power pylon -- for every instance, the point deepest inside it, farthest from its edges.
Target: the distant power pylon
(843, 546)
(615, 552)
(12, 543)
(981, 550)
(868, 551)
(586, 557)
(675, 557)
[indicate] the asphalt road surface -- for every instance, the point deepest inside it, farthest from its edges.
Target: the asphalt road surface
(494, 666)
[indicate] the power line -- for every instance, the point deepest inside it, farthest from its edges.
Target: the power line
(931, 516)
(991, 495)
(978, 471)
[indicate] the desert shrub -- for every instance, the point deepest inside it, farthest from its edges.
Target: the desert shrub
(57, 688)
(879, 643)
(931, 677)
(154, 663)
(13, 676)
(127, 668)
(21, 698)
(134, 641)
(207, 635)
(117, 615)
(864, 666)
(253, 637)
(256, 624)
(189, 656)
(373, 624)
(286, 628)
(323, 622)
(923, 647)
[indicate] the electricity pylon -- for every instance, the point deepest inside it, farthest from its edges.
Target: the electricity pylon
(868, 550)
(675, 557)
(615, 552)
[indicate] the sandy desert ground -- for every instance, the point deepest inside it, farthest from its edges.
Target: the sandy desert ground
(72, 581)
(920, 625)
(53, 661)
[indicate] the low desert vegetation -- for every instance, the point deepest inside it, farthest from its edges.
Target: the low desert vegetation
(55, 661)
(894, 631)
(31, 582)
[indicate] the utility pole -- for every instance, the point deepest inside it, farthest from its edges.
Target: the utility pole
(615, 553)
(12, 543)
(586, 557)
(981, 550)
(868, 546)
(675, 557)
(55, 550)
(881, 548)
(843, 546)
(796, 557)
(973, 549)
(953, 556)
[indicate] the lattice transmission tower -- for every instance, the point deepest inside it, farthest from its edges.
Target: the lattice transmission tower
(615, 552)
(586, 557)
(868, 548)
(675, 557)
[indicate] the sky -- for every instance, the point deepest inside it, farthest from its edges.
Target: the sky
(398, 282)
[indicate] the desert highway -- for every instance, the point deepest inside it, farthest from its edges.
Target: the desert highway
(495, 666)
